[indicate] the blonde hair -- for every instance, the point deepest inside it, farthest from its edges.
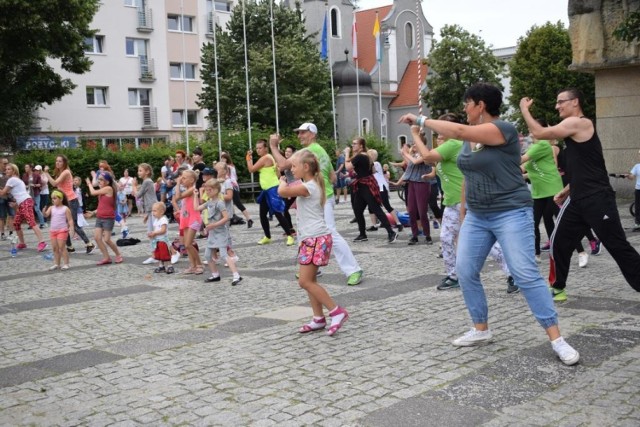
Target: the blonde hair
(192, 174)
(306, 157)
(212, 183)
(159, 205)
(147, 167)
(373, 154)
(14, 168)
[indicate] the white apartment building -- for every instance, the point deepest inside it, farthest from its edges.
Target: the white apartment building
(145, 79)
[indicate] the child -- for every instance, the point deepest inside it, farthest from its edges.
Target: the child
(190, 219)
(77, 188)
(159, 238)
(315, 239)
(226, 191)
(61, 226)
(218, 229)
(123, 210)
(105, 216)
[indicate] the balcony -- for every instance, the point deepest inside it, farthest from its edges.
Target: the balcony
(145, 20)
(149, 118)
(210, 26)
(147, 74)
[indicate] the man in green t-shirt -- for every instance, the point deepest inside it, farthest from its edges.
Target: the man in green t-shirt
(307, 133)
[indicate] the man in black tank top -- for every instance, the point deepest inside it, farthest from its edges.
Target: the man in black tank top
(588, 201)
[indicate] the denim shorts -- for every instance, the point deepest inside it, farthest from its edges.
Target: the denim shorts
(105, 223)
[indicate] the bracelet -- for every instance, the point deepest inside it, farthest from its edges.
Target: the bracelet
(420, 120)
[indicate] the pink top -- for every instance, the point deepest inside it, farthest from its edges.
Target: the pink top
(188, 214)
(66, 186)
(106, 207)
(59, 218)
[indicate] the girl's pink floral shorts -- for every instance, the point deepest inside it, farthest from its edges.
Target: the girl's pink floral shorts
(315, 250)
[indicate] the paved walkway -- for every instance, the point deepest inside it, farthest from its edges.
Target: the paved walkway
(119, 345)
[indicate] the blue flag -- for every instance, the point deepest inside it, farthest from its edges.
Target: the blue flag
(323, 42)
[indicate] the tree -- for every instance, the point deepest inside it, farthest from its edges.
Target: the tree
(304, 91)
(33, 32)
(540, 68)
(629, 29)
(459, 60)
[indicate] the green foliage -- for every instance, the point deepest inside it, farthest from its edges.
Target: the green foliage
(304, 92)
(629, 29)
(539, 70)
(458, 61)
(33, 32)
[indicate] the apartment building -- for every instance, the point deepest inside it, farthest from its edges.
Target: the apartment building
(145, 79)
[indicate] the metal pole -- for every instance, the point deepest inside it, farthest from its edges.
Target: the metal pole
(184, 76)
(273, 54)
(215, 67)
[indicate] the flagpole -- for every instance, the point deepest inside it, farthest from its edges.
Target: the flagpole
(246, 75)
(354, 52)
(273, 54)
(376, 34)
(215, 69)
(333, 94)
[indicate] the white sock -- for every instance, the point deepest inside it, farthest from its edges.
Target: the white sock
(214, 275)
(236, 275)
(336, 318)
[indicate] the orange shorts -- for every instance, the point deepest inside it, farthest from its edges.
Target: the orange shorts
(61, 234)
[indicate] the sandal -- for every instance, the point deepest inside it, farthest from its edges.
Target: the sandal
(189, 270)
(104, 261)
(198, 270)
(335, 326)
(160, 269)
(316, 324)
(170, 270)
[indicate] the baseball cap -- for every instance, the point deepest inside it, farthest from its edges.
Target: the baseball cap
(307, 126)
(38, 168)
(207, 171)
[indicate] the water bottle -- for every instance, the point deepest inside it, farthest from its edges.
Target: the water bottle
(48, 256)
(14, 249)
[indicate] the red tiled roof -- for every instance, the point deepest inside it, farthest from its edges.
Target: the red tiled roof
(408, 87)
(366, 42)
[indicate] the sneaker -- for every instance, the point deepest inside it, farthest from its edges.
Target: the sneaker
(412, 241)
(249, 223)
(511, 286)
(90, 248)
(64, 267)
(448, 283)
(353, 221)
(596, 247)
(21, 246)
(212, 279)
(361, 238)
(53, 267)
(175, 258)
(393, 236)
(235, 282)
(318, 274)
(42, 246)
(428, 241)
(355, 278)
(583, 259)
(264, 241)
(567, 354)
(473, 337)
(372, 228)
(546, 247)
(436, 224)
(150, 260)
(125, 233)
(290, 241)
(71, 249)
(3, 237)
(400, 227)
(559, 295)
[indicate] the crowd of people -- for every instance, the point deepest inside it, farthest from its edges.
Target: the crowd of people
(493, 196)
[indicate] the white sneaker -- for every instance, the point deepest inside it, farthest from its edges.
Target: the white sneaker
(175, 258)
(149, 260)
(473, 337)
(583, 259)
(567, 354)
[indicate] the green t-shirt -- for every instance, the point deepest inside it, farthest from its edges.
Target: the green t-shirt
(447, 170)
(543, 172)
(325, 166)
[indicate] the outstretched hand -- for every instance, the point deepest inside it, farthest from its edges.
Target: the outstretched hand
(408, 119)
(526, 103)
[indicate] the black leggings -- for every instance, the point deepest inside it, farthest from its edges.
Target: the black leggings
(73, 207)
(264, 219)
(237, 202)
(287, 205)
(362, 198)
(433, 201)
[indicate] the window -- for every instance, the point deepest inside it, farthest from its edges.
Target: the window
(174, 23)
(335, 23)
(402, 140)
(97, 96)
(134, 3)
(408, 35)
(177, 117)
(222, 6)
(139, 97)
(365, 126)
(176, 71)
(94, 44)
(136, 47)
(383, 126)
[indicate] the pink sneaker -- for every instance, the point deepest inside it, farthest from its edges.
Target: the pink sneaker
(42, 246)
(335, 326)
(21, 246)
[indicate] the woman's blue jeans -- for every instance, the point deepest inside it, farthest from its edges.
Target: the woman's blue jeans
(513, 229)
